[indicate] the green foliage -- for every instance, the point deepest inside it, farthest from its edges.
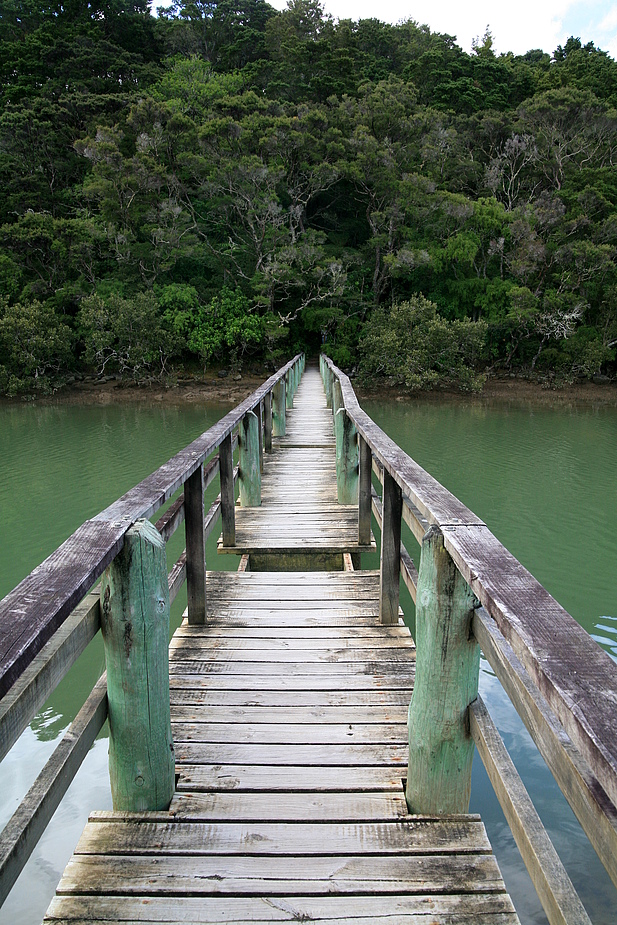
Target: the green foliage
(35, 345)
(228, 178)
(410, 344)
(125, 335)
(226, 328)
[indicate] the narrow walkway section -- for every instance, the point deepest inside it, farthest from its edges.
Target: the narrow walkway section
(289, 719)
(300, 522)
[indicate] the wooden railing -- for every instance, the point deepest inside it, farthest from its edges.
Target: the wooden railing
(47, 621)
(472, 594)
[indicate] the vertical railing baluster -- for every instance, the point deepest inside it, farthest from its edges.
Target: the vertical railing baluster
(446, 683)
(195, 547)
(278, 408)
(259, 411)
(289, 390)
(228, 514)
(249, 474)
(346, 450)
(364, 491)
(390, 564)
(268, 423)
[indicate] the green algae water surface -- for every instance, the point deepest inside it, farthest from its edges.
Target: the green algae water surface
(542, 479)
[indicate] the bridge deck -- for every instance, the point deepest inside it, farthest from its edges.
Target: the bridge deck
(289, 720)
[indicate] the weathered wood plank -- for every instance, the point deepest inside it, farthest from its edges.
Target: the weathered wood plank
(490, 908)
(292, 734)
(214, 697)
(107, 834)
(391, 756)
(289, 807)
(289, 778)
(293, 715)
(428, 874)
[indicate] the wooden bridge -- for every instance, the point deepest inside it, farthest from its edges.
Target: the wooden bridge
(266, 768)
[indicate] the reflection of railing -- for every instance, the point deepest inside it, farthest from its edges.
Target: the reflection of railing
(46, 622)
(470, 592)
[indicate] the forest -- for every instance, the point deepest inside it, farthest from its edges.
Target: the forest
(225, 184)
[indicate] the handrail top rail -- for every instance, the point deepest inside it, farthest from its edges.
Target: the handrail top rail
(32, 612)
(575, 675)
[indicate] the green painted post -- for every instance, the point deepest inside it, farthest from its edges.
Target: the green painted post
(390, 558)
(365, 462)
(268, 423)
(249, 474)
(289, 389)
(328, 384)
(278, 408)
(446, 683)
(135, 628)
(347, 466)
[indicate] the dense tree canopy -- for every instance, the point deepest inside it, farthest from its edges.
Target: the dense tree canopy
(227, 181)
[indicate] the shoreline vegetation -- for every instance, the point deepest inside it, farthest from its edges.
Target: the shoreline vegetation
(225, 390)
(228, 184)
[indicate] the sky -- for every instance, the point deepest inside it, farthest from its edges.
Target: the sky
(515, 27)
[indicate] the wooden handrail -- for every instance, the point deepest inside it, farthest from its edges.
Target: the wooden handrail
(33, 611)
(575, 676)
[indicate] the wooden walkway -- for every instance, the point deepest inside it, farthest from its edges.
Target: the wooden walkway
(289, 721)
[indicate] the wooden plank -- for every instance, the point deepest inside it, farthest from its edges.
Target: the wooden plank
(292, 734)
(428, 874)
(489, 908)
(196, 674)
(289, 807)
(391, 756)
(106, 833)
(45, 672)
(289, 778)
(214, 697)
(559, 899)
(22, 832)
(229, 715)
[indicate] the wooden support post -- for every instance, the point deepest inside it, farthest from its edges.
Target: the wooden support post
(390, 564)
(228, 514)
(278, 408)
(346, 450)
(328, 383)
(268, 423)
(195, 547)
(447, 670)
(135, 627)
(259, 411)
(289, 389)
(249, 471)
(365, 463)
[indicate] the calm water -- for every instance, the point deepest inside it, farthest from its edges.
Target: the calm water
(544, 481)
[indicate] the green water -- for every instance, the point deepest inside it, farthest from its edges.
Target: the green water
(543, 480)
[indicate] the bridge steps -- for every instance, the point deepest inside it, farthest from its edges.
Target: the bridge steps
(289, 720)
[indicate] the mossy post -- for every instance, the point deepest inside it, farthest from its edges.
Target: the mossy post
(289, 388)
(268, 423)
(328, 384)
(446, 683)
(135, 628)
(249, 469)
(346, 450)
(278, 408)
